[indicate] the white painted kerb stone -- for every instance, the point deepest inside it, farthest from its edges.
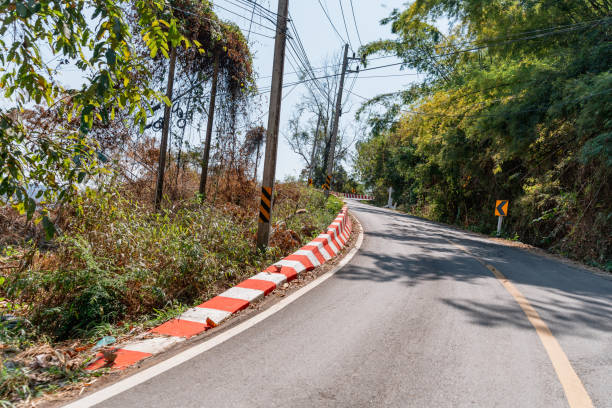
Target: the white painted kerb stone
(277, 278)
(249, 295)
(297, 265)
(330, 242)
(311, 257)
(322, 249)
(199, 315)
(154, 345)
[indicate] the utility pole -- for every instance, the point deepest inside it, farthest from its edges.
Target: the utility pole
(314, 148)
(334, 135)
(161, 169)
(267, 185)
(209, 128)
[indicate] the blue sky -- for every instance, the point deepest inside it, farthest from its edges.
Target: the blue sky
(320, 41)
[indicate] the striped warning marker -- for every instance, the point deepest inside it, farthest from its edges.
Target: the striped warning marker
(266, 204)
(327, 184)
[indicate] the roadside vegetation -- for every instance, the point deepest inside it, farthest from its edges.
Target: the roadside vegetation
(515, 105)
(86, 258)
(118, 268)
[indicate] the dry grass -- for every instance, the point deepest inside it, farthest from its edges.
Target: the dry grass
(118, 267)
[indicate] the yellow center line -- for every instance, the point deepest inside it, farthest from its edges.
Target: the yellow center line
(576, 394)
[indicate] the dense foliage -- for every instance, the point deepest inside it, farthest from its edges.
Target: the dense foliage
(516, 105)
(36, 37)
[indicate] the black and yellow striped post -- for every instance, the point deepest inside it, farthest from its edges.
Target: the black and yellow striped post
(327, 185)
(265, 205)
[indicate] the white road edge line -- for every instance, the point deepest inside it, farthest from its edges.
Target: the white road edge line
(145, 375)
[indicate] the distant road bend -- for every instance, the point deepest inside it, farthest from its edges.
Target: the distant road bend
(422, 316)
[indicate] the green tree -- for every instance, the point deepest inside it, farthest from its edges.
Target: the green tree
(94, 36)
(515, 105)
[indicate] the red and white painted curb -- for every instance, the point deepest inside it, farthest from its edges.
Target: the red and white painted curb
(359, 197)
(214, 311)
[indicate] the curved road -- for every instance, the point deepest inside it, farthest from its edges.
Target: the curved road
(412, 321)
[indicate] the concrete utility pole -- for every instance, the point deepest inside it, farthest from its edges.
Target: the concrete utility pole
(209, 128)
(334, 135)
(314, 148)
(161, 169)
(267, 185)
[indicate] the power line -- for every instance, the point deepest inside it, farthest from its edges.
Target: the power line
(549, 30)
(348, 37)
(215, 21)
(505, 41)
(293, 55)
(388, 76)
(303, 57)
(359, 96)
(331, 22)
(261, 8)
(355, 21)
(250, 24)
(332, 66)
(240, 15)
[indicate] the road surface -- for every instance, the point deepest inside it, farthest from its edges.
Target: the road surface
(412, 321)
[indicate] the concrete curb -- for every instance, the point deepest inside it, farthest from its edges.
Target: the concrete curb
(218, 309)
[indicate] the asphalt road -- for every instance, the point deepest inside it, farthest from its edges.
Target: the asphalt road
(411, 321)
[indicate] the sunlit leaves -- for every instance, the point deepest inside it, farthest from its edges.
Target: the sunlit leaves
(96, 38)
(516, 104)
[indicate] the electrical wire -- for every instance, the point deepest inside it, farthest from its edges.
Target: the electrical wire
(548, 30)
(214, 21)
(348, 37)
(250, 24)
(244, 17)
(355, 22)
(303, 57)
(503, 41)
(260, 7)
(331, 22)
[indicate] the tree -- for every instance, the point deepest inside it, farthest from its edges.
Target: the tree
(513, 105)
(254, 141)
(116, 80)
(310, 125)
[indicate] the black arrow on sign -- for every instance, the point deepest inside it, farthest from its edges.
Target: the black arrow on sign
(500, 208)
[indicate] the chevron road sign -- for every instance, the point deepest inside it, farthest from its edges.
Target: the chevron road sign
(501, 208)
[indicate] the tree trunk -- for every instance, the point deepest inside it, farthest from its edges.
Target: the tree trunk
(159, 188)
(209, 128)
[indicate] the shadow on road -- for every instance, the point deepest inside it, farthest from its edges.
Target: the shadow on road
(409, 250)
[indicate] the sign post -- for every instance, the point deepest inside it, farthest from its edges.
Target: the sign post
(390, 200)
(501, 210)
